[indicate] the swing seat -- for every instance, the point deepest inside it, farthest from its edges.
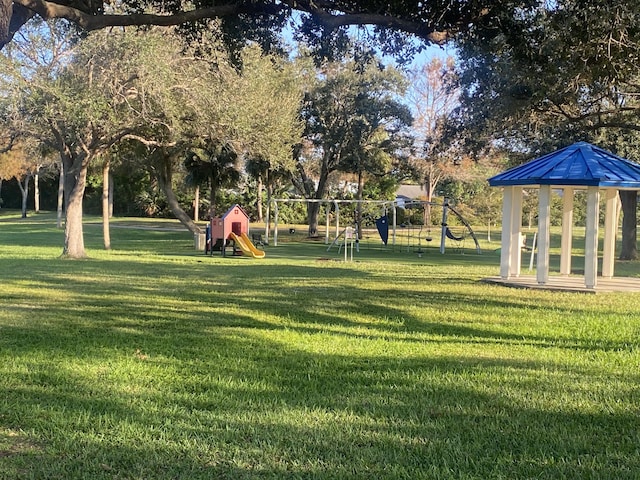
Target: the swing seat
(457, 240)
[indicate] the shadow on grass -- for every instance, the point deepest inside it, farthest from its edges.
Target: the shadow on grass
(165, 296)
(247, 408)
(225, 368)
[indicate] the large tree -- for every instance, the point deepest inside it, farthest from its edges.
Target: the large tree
(352, 116)
(564, 71)
(111, 86)
(433, 97)
(254, 119)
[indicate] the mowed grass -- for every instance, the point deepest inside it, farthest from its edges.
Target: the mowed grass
(152, 361)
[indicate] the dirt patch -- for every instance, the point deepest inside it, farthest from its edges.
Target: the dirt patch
(15, 443)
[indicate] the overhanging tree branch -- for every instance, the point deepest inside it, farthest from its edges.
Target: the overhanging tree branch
(419, 29)
(49, 10)
(10, 142)
(330, 14)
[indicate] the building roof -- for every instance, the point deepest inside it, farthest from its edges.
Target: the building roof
(411, 192)
(234, 210)
(581, 164)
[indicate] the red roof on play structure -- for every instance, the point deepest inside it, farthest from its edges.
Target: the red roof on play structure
(234, 211)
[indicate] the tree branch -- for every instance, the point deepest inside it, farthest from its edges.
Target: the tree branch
(322, 11)
(10, 143)
(560, 111)
(621, 125)
(147, 142)
(417, 28)
(50, 10)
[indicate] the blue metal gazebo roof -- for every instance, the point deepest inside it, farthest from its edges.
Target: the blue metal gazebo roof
(580, 164)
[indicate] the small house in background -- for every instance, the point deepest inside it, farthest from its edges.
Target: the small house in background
(407, 193)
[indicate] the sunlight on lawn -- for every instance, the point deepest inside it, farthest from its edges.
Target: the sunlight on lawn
(178, 365)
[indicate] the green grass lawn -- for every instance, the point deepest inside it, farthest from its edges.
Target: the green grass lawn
(153, 361)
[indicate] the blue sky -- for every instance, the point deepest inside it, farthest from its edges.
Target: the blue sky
(423, 57)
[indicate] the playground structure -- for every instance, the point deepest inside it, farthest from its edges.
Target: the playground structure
(232, 229)
(347, 239)
(383, 225)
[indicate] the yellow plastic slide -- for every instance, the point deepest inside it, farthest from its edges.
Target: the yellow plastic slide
(246, 245)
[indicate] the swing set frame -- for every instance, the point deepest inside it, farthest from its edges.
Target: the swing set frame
(386, 205)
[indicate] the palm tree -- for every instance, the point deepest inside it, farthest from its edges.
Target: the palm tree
(213, 165)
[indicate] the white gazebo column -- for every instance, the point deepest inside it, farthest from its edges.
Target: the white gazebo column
(505, 246)
(544, 230)
(567, 231)
(591, 238)
(610, 230)
(516, 227)
(511, 221)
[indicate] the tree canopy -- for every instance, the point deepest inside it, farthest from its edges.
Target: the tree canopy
(567, 71)
(354, 122)
(434, 21)
(148, 88)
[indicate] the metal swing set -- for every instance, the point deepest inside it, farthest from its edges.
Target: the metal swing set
(384, 227)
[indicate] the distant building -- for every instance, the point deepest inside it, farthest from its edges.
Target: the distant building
(411, 192)
(406, 193)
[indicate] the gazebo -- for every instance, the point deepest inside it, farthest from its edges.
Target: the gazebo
(579, 166)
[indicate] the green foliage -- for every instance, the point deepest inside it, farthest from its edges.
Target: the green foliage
(264, 105)
(292, 213)
(213, 165)
(151, 203)
(380, 188)
(552, 75)
(354, 123)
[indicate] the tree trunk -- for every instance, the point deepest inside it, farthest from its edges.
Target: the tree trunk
(313, 209)
(106, 234)
(432, 180)
(24, 189)
(60, 195)
(359, 205)
(213, 190)
(36, 191)
(629, 250)
(196, 205)
(163, 176)
(268, 209)
(75, 181)
(110, 193)
(176, 209)
(6, 8)
(1, 193)
(259, 188)
(426, 219)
